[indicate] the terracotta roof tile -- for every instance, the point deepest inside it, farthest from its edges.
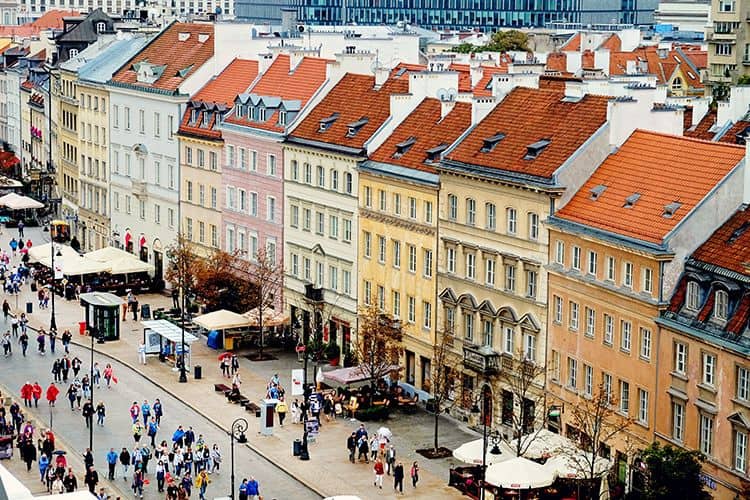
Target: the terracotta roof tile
(678, 297)
(235, 78)
(353, 99)
(688, 169)
(703, 127)
(663, 68)
(464, 76)
(53, 19)
(728, 246)
(427, 130)
(525, 117)
(280, 80)
(557, 61)
(613, 43)
(180, 58)
(402, 70)
(731, 136)
(573, 44)
(738, 322)
(480, 89)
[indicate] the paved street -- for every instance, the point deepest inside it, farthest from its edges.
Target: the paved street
(328, 472)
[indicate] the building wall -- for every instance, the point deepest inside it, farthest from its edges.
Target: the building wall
(66, 98)
(200, 193)
(686, 388)
(261, 227)
(506, 309)
(160, 184)
(94, 200)
(401, 285)
(307, 245)
(726, 37)
(631, 359)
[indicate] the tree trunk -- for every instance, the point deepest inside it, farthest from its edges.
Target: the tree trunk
(437, 419)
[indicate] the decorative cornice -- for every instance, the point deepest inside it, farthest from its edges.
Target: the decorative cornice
(403, 223)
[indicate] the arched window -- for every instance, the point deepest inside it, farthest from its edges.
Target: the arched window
(693, 296)
(721, 305)
(677, 83)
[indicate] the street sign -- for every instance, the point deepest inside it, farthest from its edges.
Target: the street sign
(71, 217)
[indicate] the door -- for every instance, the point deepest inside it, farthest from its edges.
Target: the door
(158, 265)
(410, 367)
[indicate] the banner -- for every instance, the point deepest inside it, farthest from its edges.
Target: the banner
(297, 379)
(58, 269)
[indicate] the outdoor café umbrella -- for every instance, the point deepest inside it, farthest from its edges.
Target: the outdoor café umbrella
(385, 432)
(471, 453)
(520, 474)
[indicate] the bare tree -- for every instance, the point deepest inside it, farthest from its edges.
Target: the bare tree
(597, 422)
(524, 378)
(184, 266)
(267, 278)
(445, 367)
(379, 343)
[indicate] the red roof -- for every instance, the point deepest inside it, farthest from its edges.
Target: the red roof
(729, 246)
(525, 117)
(702, 128)
(653, 171)
(52, 19)
(480, 89)
(731, 135)
(663, 67)
(353, 101)
(177, 52)
(464, 76)
(235, 78)
(613, 43)
(280, 80)
(403, 69)
(427, 130)
(573, 44)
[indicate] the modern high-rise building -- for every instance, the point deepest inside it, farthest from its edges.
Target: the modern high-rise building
(487, 15)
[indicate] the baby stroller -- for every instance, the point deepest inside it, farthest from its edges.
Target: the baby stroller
(6, 447)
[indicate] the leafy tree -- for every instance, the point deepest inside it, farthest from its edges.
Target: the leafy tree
(445, 367)
(673, 473)
(184, 266)
(507, 40)
(266, 278)
(379, 343)
(223, 282)
(466, 48)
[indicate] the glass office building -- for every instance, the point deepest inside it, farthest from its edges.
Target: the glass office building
(487, 15)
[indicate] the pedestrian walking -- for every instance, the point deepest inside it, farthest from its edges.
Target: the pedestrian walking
(158, 411)
(152, 429)
(7, 346)
(97, 376)
(52, 340)
(145, 412)
(65, 366)
(135, 411)
(215, 459)
(187, 482)
(26, 393)
(160, 476)
(111, 464)
(109, 375)
(253, 489)
(281, 409)
(24, 341)
(398, 477)
(351, 445)
(125, 462)
(379, 473)
(91, 479)
(75, 364)
(40, 341)
(57, 370)
(243, 489)
(201, 482)
(414, 474)
(88, 458)
(101, 412)
(363, 449)
(52, 392)
(57, 485)
(141, 353)
(88, 413)
(70, 482)
(20, 228)
(36, 393)
(43, 464)
(390, 459)
(6, 309)
(66, 338)
(138, 483)
(137, 431)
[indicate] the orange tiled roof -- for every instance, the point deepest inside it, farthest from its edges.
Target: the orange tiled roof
(280, 80)
(428, 130)
(403, 69)
(557, 61)
(663, 68)
(728, 246)
(353, 100)
(53, 19)
(703, 127)
(464, 76)
(730, 136)
(525, 117)
(236, 77)
(613, 43)
(179, 59)
(573, 44)
(687, 170)
(480, 89)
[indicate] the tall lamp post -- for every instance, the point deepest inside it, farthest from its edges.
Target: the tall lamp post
(91, 388)
(494, 437)
(239, 426)
(183, 371)
(52, 321)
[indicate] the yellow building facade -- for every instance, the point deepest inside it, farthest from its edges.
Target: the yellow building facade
(66, 99)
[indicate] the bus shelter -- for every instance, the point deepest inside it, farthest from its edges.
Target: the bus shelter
(164, 339)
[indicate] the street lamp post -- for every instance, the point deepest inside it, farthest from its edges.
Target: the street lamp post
(183, 371)
(494, 437)
(91, 388)
(52, 321)
(239, 426)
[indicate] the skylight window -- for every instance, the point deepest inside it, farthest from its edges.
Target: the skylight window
(671, 208)
(491, 142)
(326, 123)
(597, 191)
(355, 126)
(535, 149)
(404, 146)
(433, 154)
(631, 200)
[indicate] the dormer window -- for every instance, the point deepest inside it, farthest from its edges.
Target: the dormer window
(282, 117)
(404, 146)
(101, 27)
(240, 111)
(195, 113)
(721, 305)
(535, 149)
(326, 123)
(492, 141)
(354, 127)
(261, 114)
(433, 154)
(206, 119)
(597, 191)
(692, 301)
(631, 200)
(670, 209)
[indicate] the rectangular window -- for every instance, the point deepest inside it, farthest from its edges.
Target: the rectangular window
(214, 197)
(709, 369)
(555, 370)
(381, 297)
(321, 175)
(346, 276)
(740, 451)
(396, 254)
(592, 262)
(320, 223)
(170, 217)
(471, 265)
(271, 168)
(743, 384)
(588, 380)
(294, 215)
(450, 258)
(487, 332)
(490, 213)
(627, 279)
(347, 230)
(412, 208)
(509, 342)
(510, 278)
(648, 280)
(489, 271)
(428, 212)
(642, 407)
(427, 310)
(141, 121)
(707, 434)
(471, 212)
(680, 358)
(626, 335)
(573, 323)
(678, 421)
(576, 258)
(609, 329)
(511, 219)
(334, 180)
(624, 397)
(590, 322)
(333, 278)
(533, 226)
(607, 386)
(157, 125)
(127, 118)
(411, 310)
(368, 197)
(115, 116)
(610, 268)
(396, 304)
(412, 259)
(645, 343)
(229, 155)
(397, 204)
(572, 373)
(427, 256)
(367, 242)
(560, 252)
(558, 309)
(381, 249)
(333, 226)
(382, 203)
(531, 277)
(295, 264)
(529, 346)
(170, 129)
(469, 327)
(308, 273)
(212, 161)
(308, 173)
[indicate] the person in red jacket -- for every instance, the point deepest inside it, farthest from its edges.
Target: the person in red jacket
(26, 392)
(52, 392)
(36, 393)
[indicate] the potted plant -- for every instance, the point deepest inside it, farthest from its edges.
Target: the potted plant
(333, 353)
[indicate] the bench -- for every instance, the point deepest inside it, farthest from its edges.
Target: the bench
(251, 407)
(221, 388)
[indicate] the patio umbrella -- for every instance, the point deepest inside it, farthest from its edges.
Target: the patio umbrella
(385, 432)
(471, 453)
(519, 473)
(577, 465)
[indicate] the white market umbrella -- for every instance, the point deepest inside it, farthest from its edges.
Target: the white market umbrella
(577, 465)
(471, 453)
(221, 320)
(385, 432)
(520, 474)
(544, 443)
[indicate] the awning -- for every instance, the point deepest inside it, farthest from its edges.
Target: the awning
(471, 453)
(108, 254)
(76, 265)
(8, 159)
(351, 375)
(221, 320)
(270, 317)
(39, 252)
(169, 331)
(520, 474)
(577, 465)
(129, 265)
(18, 202)
(544, 443)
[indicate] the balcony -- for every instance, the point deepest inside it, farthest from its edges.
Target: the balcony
(140, 189)
(482, 360)
(313, 295)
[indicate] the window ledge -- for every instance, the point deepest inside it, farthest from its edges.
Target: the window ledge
(642, 424)
(707, 388)
(741, 402)
(644, 359)
(625, 351)
(679, 375)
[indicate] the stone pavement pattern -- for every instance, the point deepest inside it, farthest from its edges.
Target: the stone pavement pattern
(328, 471)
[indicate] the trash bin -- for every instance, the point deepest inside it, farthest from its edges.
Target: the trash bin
(29, 307)
(297, 447)
(82, 327)
(198, 372)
